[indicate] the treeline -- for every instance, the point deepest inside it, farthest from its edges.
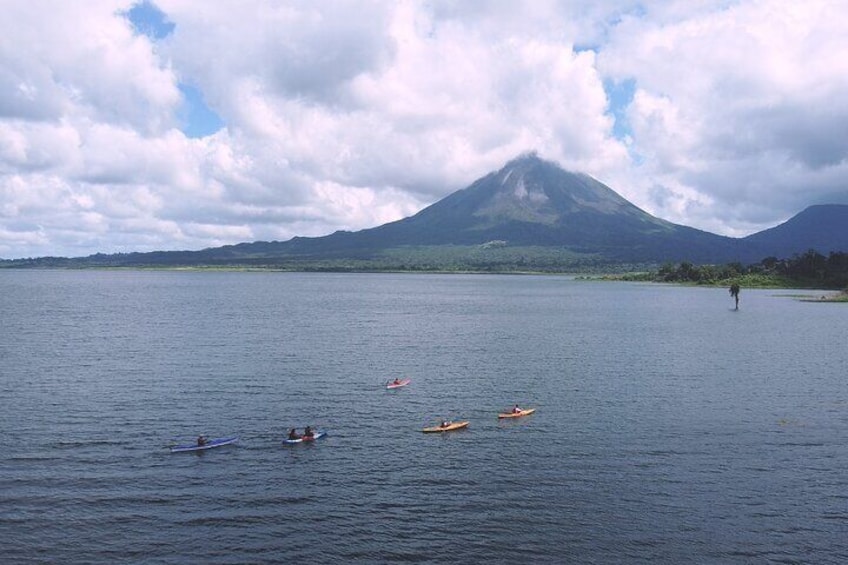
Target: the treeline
(811, 269)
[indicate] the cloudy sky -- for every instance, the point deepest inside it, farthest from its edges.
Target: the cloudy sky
(184, 124)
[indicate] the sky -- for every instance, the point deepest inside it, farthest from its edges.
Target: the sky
(185, 124)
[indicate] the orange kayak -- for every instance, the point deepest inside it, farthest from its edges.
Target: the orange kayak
(449, 428)
(516, 414)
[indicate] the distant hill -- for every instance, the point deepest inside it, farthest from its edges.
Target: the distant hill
(531, 214)
(823, 228)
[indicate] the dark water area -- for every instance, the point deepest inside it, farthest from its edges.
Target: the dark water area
(669, 427)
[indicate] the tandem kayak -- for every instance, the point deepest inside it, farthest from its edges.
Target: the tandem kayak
(318, 435)
(516, 414)
(211, 444)
(402, 382)
(449, 428)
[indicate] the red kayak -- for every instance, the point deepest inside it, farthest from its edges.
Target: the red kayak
(398, 383)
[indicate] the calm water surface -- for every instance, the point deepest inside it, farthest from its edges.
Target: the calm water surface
(670, 428)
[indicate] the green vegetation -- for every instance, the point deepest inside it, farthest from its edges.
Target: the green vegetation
(491, 257)
(810, 270)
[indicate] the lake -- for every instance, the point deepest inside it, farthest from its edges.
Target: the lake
(669, 427)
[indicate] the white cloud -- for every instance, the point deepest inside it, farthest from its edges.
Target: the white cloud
(741, 108)
(349, 114)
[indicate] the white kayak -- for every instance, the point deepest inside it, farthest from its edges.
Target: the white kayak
(317, 435)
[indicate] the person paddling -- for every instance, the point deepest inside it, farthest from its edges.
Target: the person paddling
(308, 433)
(201, 441)
(293, 434)
(516, 409)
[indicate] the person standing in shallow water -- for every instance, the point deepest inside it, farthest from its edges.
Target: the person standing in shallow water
(734, 292)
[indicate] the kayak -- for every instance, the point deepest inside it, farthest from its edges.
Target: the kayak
(403, 382)
(318, 435)
(516, 414)
(211, 444)
(449, 428)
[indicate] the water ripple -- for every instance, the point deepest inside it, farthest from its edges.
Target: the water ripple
(657, 438)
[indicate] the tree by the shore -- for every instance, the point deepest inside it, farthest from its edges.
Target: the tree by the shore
(734, 292)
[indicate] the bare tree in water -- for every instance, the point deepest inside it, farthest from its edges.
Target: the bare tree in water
(734, 292)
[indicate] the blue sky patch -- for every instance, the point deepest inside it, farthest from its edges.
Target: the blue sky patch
(620, 95)
(147, 19)
(196, 118)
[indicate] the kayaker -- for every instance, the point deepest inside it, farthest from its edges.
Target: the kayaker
(446, 423)
(201, 441)
(293, 434)
(516, 409)
(396, 381)
(308, 432)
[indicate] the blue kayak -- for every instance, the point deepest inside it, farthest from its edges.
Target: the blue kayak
(318, 435)
(211, 444)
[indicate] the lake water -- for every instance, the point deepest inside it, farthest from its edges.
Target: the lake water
(670, 428)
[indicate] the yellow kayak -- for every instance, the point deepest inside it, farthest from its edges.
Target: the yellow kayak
(526, 412)
(449, 428)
